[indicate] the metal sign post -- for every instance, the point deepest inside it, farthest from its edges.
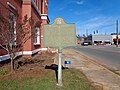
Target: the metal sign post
(59, 35)
(59, 67)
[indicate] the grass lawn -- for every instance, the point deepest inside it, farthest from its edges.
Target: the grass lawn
(72, 80)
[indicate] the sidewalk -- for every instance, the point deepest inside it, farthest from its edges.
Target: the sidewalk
(100, 77)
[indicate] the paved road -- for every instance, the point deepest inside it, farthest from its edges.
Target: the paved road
(99, 77)
(107, 55)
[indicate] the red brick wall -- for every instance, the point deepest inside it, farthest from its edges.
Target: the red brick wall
(22, 10)
(42, 31)
(5, 9)
(36, 17)
(26, 10)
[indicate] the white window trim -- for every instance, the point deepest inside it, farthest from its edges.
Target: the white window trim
(9, 4)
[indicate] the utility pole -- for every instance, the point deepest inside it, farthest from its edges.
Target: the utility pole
(86, 32)
(117, 33)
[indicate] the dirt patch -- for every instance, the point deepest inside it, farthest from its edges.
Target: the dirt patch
(29, 67)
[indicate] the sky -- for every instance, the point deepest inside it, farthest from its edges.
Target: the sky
(88, 15)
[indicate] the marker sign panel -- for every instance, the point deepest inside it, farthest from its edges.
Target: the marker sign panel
(59, 34)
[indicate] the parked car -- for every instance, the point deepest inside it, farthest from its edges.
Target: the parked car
(85, 44)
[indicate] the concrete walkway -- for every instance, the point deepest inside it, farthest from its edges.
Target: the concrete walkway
(100, 77)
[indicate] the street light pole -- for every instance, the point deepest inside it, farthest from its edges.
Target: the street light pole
(117, 33)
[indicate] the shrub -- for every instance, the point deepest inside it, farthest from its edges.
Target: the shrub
(3, 71)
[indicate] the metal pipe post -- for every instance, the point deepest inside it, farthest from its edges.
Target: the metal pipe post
(59, 67)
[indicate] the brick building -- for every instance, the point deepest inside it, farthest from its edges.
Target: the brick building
(17, 9)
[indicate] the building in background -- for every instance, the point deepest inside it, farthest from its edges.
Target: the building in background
(35, 9)
(99, 39)
(102, 39)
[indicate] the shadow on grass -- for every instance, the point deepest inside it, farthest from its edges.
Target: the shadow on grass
(55, 68)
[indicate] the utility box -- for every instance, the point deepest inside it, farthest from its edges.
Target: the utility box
(59, 34)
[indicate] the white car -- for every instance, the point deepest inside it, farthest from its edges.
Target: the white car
(85, 43)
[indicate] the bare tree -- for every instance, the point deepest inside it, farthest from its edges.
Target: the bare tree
(14, 35)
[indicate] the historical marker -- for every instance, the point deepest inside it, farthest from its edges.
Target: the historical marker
(59, 35)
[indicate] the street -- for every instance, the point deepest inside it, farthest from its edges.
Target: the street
(99, 75)
(106, 55)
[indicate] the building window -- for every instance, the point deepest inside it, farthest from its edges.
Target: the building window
(12, 29)
(37, 36)
(46, 3)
